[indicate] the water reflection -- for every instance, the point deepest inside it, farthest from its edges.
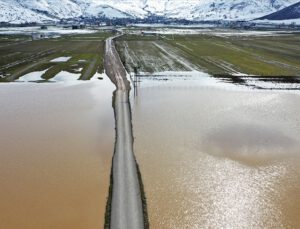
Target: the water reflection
(214, 156)
(249, 143)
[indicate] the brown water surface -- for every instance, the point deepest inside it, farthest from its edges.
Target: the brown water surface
(218, 157)
(56, 142)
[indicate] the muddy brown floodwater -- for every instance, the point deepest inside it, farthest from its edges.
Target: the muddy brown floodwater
(215, 156)
(57, 141)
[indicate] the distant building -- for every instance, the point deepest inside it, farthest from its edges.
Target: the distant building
(82, 26)
(145, 33)
(38, 36)
(44, 27)
(239, 24)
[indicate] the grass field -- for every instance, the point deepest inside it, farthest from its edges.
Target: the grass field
(147, 54)
(20, 55)
(231, 55)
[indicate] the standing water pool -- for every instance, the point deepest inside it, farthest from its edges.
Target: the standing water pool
(217, 156)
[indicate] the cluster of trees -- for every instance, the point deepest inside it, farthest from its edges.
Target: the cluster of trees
(25, 24)
(125, 21)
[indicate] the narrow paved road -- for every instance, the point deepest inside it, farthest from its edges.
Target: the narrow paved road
(126, 209)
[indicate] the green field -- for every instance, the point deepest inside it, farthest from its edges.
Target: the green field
(20, 55)
(256, 55)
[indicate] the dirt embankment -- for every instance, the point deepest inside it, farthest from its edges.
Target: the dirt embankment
(126, 207)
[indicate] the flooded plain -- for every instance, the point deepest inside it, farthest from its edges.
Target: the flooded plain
(215, 155)
(57, 141)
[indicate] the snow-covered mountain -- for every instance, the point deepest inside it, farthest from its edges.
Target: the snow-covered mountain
(18, 11)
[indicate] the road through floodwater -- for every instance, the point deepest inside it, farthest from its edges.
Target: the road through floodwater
(126, 204)
(217, 156)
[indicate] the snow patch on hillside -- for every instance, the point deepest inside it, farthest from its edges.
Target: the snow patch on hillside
(279, 22)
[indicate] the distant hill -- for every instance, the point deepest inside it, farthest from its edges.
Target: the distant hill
(290, 12)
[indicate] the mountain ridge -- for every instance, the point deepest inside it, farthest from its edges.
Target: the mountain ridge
(19, 11)
(290, 12)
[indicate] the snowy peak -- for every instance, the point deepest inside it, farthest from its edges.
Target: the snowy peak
(53, 8)
(234, 9)
(19, 11)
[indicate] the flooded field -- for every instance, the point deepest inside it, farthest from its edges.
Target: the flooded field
(57, 141)
(216, 129)
(234, 53)
(215, 155)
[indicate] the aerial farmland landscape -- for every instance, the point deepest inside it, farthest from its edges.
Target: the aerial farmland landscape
(149, 114)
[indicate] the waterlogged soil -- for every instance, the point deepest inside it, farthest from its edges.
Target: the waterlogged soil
(266, 83)
(57, 141)
(217, 156)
